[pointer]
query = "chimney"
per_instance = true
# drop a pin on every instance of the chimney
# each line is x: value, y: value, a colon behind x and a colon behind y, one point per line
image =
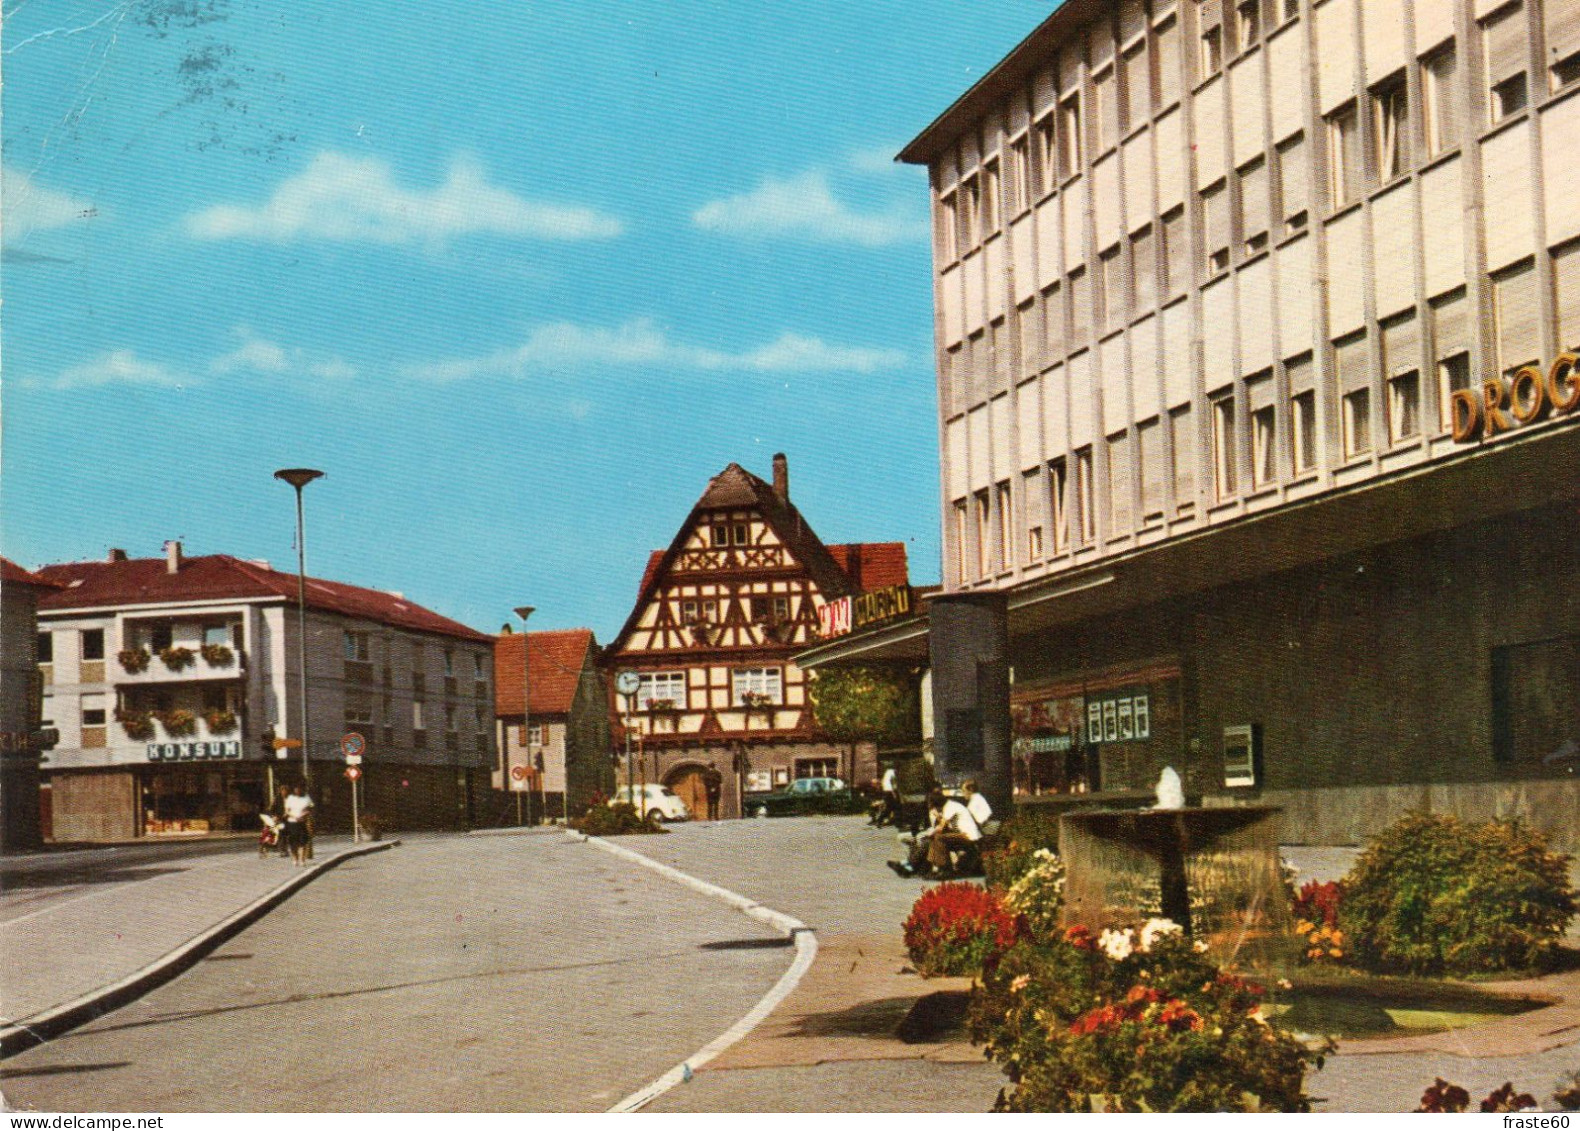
x: 172, y: 557
x: 117, y: 555
x: 782, y: 477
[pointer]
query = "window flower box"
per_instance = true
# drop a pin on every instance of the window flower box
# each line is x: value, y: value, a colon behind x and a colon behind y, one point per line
x: 179, y: 723
x: 220, y: 721
x: 134, y: 660
x: 138, y: 725
x: 178, y: 657
x: 217, y: 655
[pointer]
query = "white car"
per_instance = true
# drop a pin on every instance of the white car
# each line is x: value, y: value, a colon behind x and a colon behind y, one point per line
x: 654, y: 798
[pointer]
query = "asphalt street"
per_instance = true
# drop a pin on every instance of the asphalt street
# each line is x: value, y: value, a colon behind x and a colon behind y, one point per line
x: 523, y: 973
x: 34, y: 881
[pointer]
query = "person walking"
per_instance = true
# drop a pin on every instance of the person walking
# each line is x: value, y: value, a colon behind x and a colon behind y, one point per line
x: 713, y: 789
x: 278, y: 812
x: 297, y: 835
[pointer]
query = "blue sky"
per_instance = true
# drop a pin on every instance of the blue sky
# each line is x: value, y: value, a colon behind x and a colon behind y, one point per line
x: 519, y: 277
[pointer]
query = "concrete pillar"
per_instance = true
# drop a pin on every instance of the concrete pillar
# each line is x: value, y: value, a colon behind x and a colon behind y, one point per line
x: 969, y: 646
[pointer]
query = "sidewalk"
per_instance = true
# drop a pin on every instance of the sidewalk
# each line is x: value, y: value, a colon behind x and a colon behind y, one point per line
x: 92, y: 949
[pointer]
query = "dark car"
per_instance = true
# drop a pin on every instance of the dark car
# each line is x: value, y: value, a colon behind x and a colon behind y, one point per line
x: 807, y: 795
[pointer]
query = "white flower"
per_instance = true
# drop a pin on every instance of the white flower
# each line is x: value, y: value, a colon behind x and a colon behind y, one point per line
x: 1118, y: 945
x: 1199, y: 947
x: 1156, y: 929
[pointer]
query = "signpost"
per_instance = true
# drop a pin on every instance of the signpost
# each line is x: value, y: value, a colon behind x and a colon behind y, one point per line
x: 628, y: 683
x: 352, y: 745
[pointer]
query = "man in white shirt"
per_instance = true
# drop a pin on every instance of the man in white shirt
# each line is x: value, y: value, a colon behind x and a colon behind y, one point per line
x: 888, y: 812
x: 955, y: 829
x: 980, y: 809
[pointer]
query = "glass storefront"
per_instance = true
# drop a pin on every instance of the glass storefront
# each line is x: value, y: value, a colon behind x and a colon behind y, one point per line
x: 192, y: 800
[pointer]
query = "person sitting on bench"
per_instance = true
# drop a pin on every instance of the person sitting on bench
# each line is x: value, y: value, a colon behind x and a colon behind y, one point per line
x: 980, y: 809
x: 954, y: 829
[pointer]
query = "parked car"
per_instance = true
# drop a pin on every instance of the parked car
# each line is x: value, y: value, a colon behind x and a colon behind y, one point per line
x: 655, y: 799
x: 807, y: 795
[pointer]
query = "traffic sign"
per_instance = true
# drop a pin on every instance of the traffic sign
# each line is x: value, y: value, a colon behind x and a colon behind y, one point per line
x: 288, y: 744
x: 518, y: 772
x: 352, y: 745
x: 353, y: 772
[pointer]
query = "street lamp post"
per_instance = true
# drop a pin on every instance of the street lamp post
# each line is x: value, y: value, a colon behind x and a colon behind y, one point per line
x: 524, y: 611
x: 299, y: 477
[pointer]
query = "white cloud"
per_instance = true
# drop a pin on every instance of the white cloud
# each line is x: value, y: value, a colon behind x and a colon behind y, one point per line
x: 356, y: 199
x: 876, y: 160
x: 29, y: 206
x: 642, y: 342
x: 259, y: 355
x: 120, y: 367
x: 805, y: 207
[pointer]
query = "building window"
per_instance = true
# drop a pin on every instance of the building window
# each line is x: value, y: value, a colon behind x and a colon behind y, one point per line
x: 218, y: 635
x: 355, y: 645
x: 1105, y: 112
x: 1453, y: 376
x: 46, y: 647
x: 1030, y: 337
x: 1183, y: 438
x: 991, y: 189
x: 1080, y: 307
x: 970, y: 208
x: 1058, y: 505
x: 816, y: 768
x: 93, y: 716
x: 1264, y: 430
x: 1439, y: 121
x: 765, y: 686
x: 1343, y: 155
x: 1033, y: 545
x: 1390, y: 127
x: 658, y: 691
x: 1357, y: 422
x: 947, y: 222
x: 1248, y: 23
x: 1516, y: 317
x: 1138, y: 86
x: 1303, y: 408
x: 1086, y: 491
x: 1504, y: 46
x: 1020, y: 175
x: 1006, y: 526
x: 93, y: 643
x: 1070, y: 136
x: 962, y: 520
x: 1209, y: 19
x: 1151, y: 470
x: 160, y: 637
x: 1223, y: 461
x: 1215, y: 223
x: 1176, y: 251
x: 1404, y: 406
x: 416, y: 715
x: 1166, y: 64
x: 742, y: 533
x: 1566, y: 293
x: 1143, y: 271
x: 1562, y: 20
x: 984, y: 529
x: 1112, y: 299
x: 1294, y: 191
x: 1119, y: 484
x: 449, y: 662
x: 1253, y: 206
x: 1047, y: 155
x: 1053, y: 324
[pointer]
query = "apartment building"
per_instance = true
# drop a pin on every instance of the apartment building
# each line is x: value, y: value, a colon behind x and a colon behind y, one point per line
x: 171, y: 679
x: 1256, y: 404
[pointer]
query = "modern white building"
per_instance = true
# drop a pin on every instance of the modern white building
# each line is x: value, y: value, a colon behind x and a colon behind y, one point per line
x: 1254, y: 398
x: 168, y: 680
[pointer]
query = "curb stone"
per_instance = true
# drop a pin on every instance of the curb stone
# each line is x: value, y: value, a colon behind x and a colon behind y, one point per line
x: 16, y: 1036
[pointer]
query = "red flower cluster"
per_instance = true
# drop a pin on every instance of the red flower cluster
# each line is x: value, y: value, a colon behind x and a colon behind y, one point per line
x: 1319, y: 903
x: 959, y: 918
x: 1080, y: 937
x: 1138, y: 1005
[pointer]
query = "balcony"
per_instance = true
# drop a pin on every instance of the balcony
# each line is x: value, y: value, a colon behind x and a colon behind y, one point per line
x: 179, y: 664
x: 182, y: 735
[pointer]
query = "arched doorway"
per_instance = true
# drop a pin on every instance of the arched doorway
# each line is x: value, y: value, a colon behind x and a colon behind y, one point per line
x: 687, y: 782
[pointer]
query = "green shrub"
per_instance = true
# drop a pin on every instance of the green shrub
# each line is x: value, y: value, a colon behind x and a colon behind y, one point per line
x: 1132, y: 1021
x: 619, y: 819
x: 1435, y: 895
x: 955, y: 928
x: 1019, y: 839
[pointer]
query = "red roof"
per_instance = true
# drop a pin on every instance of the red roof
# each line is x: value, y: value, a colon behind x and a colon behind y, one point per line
x: 654, y: 560
x: 554, y: 670
x: 872, y: 565
x: 13, y: 574
x: 220, y: 577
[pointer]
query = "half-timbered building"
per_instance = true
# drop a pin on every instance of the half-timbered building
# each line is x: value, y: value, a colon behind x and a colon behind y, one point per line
x: 719, y: 617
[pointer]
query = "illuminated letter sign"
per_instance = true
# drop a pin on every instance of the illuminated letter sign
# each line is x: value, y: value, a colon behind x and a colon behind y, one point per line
x: 1528, y: 396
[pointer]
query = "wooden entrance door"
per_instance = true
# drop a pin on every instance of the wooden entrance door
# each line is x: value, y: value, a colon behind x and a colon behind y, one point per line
x: 689, y: 787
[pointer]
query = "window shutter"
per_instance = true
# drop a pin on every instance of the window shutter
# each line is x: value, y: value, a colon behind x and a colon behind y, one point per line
x: 1216, y: 205
x: 1176, y: 250
x: 1209, y: 14
x: 1145, y: 266
x: 1401, y: 346
x: 1349, y: 361
x: 1259, y: 392
x: 1519, y: 335
x: 1566, y: 279
x: 1505, y: 43
x: 1294, y: 176
x: 1449, y: 327
x: 1301, y: 374
x: 1138, y: 86
x: 1563, y: 29
x: 1167, y: 62
x: 1253, y: 199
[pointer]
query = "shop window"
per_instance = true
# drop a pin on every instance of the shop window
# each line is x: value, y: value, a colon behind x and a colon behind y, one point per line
x: 93, y: 644
x: 1504, y: 49
x: 1439, y: 119
x: 1536, y: 701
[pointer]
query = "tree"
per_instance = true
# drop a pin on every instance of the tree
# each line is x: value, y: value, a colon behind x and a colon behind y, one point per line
x: 865, y: 704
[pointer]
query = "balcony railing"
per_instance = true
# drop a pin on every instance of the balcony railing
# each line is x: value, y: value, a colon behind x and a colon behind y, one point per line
x: 178, y: 664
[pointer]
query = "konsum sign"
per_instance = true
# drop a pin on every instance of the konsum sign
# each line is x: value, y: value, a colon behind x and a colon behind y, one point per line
x: 1526, y: 397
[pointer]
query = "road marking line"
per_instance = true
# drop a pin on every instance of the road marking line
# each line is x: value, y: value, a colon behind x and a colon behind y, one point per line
x: 805, y: 947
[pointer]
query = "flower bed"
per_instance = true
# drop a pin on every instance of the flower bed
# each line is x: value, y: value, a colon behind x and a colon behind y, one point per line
x: 1038, y: 895
x: 1132, y: 1021
x: 955, y: 928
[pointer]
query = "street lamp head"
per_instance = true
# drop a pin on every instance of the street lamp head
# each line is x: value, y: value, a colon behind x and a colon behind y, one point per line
x: 525, y: 611
x: 298, y: 477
